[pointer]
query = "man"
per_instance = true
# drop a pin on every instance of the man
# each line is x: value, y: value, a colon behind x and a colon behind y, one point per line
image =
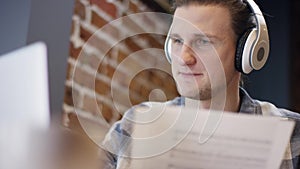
x: 205, y: 36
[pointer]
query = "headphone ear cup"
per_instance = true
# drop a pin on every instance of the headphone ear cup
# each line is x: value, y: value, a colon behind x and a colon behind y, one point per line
x: 240, y: 50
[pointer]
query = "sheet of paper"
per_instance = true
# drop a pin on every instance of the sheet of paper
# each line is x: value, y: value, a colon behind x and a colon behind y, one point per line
x: 172, y: 138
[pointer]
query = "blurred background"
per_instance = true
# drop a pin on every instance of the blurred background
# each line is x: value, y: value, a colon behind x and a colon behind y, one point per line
x: 82, y: 87
x: 66, y: 26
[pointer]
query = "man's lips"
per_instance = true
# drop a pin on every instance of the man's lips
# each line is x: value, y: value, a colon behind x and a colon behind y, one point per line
x: 190, y: 74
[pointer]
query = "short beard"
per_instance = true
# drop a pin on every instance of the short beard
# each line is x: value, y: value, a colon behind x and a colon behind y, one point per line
x: 205, y: 93
x: 197, y: 94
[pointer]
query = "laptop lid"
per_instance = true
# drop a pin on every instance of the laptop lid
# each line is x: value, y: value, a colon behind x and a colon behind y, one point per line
x: 24, y: 85
x: 24, y: 102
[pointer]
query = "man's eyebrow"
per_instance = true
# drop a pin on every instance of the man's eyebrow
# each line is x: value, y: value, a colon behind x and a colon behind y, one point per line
x: 197, y: 35
x: 174, y: 35
x: 207, y: 36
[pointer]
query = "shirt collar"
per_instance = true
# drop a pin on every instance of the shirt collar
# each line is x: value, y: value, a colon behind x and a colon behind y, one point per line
x: 247, y: 104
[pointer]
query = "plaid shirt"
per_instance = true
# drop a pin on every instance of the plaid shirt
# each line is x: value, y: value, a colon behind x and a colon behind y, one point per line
x: 248, y: 105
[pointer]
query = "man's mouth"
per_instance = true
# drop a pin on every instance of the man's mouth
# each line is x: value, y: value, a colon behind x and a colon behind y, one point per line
x: 192, y: 74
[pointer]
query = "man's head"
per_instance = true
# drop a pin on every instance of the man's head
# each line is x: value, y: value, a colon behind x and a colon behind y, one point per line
x: 203, y: 34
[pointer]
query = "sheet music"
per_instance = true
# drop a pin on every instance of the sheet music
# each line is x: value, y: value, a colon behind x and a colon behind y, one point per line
x: 239, y: 141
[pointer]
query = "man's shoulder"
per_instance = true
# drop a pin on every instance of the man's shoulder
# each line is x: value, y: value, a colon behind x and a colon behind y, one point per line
x: 290, y: 114
x: 269, y: 109
x: 175, y: 102
x: 293, y: 151
x: 125, y: 123
x: 295, y: 117
x: 295, y: 137
x: 121, y: 130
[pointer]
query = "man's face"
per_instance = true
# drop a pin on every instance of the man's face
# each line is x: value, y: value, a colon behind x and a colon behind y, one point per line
x: 202, y: 50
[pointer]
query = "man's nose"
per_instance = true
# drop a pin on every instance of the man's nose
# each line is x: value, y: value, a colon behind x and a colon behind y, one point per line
x: 187, y: 55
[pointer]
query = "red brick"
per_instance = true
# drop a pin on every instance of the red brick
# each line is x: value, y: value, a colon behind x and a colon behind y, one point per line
x: 94, y: 106
x: 72, y: 28
x: 149, y: 22
x: 107, y: 112
x: 156, y: 78
x: 144, y: 92
x: 71, y: 96
x: 83, y: 78
x: 135, y: 86
x: 101, y: 87
x: 79, y: 9
x: 152, y: 40
x: 170, y: 85
x: 111, y: 30
x: 109, y: 8
x: 174, y: 92
x: 102, y: 69
x: 121, y: 78
x: 136, y: 101
x: 118, y: 96
x: 68, y: 96
x: 74, y: 52
x: 90, y: 104
x: 132, y: 45
x: 121, y: 56
x: 90, y: 59
x: 110, y: 71
x: 144, y: 74
x: 150, y: 19
x: 98, y: 20
x: 100, y: 44
x: 69, y: 71
x: 133, y: 7
x: 132, y: 25
x: 84, y: 34
x: 110, y: 53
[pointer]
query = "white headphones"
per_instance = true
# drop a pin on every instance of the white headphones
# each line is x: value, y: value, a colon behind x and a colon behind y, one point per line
x: 252, y: 48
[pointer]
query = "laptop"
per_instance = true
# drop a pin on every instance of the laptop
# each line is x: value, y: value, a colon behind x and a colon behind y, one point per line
x: 24, y: 101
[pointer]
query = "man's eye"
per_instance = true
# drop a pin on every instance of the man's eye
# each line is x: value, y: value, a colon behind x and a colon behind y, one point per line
x: 177, y: 41
x: 203, y: 42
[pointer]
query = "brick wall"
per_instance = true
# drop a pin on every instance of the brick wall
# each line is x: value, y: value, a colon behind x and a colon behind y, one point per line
x: 109, y: 68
